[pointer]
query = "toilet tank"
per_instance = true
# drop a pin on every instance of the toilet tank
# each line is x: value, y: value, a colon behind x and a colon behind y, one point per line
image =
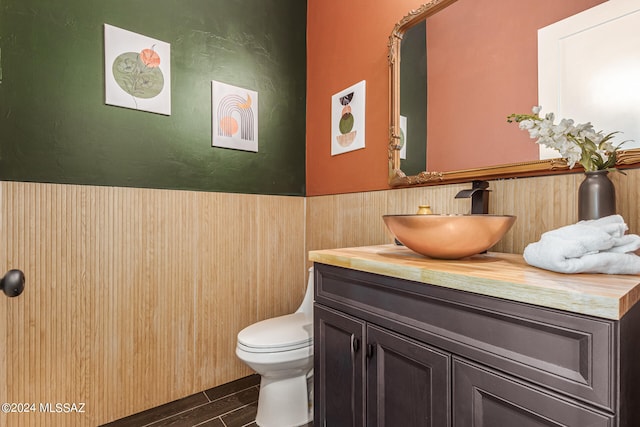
x: 307, y: 301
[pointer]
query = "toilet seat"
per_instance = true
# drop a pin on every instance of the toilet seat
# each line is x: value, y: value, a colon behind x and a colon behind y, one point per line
x: 280, y: 349
x: 283, y: 333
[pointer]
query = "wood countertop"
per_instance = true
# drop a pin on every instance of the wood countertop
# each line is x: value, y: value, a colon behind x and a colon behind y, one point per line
x: 496, y: 274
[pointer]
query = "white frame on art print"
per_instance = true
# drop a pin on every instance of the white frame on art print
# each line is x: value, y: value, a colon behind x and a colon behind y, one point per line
x: 348, y: 119
x: 137, y: 71
x: 234, y: 117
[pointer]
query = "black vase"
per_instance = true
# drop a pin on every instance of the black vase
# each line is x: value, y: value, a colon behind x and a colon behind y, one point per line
x: 596, y: 196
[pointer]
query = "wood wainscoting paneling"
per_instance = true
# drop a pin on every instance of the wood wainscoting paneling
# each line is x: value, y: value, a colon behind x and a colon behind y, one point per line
x: 541, y: 204
x: 133, y: 296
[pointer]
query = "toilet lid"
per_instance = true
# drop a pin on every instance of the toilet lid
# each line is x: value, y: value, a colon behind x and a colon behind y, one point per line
x: 282, y: 333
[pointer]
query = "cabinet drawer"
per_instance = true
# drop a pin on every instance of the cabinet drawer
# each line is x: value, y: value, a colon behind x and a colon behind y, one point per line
x: 483, y: 398
x: 564, y: 352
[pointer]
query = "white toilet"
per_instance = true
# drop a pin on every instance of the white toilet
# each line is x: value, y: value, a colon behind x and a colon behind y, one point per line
x: 281, y: 351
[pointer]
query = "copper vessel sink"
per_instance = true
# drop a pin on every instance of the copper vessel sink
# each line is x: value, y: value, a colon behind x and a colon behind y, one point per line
x: 448, y: 236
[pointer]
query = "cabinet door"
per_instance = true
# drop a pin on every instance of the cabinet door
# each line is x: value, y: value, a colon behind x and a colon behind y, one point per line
x: 483, y: 398
x: 338, y: 369
x: 407, y: 382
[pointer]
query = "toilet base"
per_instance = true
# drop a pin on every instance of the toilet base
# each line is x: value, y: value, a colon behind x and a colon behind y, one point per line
x: 284, y: 402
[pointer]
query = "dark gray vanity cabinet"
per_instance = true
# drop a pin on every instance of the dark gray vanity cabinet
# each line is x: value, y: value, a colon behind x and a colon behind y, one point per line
x: 339, y: 369
x: 488, y: 399
x: 392, y: 352
x: 407, y: 381
x: 366, y: 375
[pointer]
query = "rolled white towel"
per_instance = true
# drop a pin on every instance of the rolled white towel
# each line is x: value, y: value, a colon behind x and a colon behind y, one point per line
x: 602, y: 262
x: 607, y: 221
x: 625, y: 244
x: 594, y: 246
x: 595, y: 235
x: 612, y: 225
x: 545, y: 257
x: 587, y: 238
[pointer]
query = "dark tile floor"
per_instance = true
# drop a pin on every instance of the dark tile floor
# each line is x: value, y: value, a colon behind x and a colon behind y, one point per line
x: 230, y: 405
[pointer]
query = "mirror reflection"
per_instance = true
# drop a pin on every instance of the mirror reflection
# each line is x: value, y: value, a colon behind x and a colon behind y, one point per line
x: 413, y: 99
x: 479, y: 64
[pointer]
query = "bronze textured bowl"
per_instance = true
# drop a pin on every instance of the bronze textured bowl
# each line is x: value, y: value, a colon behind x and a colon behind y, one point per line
x: 448, y: 236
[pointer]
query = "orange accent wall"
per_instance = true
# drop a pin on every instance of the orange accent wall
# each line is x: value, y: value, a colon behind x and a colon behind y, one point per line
x: 347, y: 43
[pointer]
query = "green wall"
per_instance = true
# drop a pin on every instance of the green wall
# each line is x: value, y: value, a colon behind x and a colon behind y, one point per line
x: 55, y: 126
x: 413, y: 97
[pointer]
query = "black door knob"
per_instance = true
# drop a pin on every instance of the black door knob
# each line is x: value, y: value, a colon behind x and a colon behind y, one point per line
x: 12, y: 283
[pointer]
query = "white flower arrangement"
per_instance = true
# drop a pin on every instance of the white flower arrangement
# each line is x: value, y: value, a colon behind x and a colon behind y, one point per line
x: 578, y: 143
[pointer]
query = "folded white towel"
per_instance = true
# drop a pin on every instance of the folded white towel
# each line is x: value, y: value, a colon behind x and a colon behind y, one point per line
x: 592, y: 230
x: 626, y: 243
x: 594, y: 246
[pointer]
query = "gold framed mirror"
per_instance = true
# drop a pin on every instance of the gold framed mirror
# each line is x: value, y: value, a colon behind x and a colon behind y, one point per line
x: 398, y: 178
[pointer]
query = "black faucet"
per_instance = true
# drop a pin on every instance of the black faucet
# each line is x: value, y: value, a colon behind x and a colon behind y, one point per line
x: 479, y: 194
